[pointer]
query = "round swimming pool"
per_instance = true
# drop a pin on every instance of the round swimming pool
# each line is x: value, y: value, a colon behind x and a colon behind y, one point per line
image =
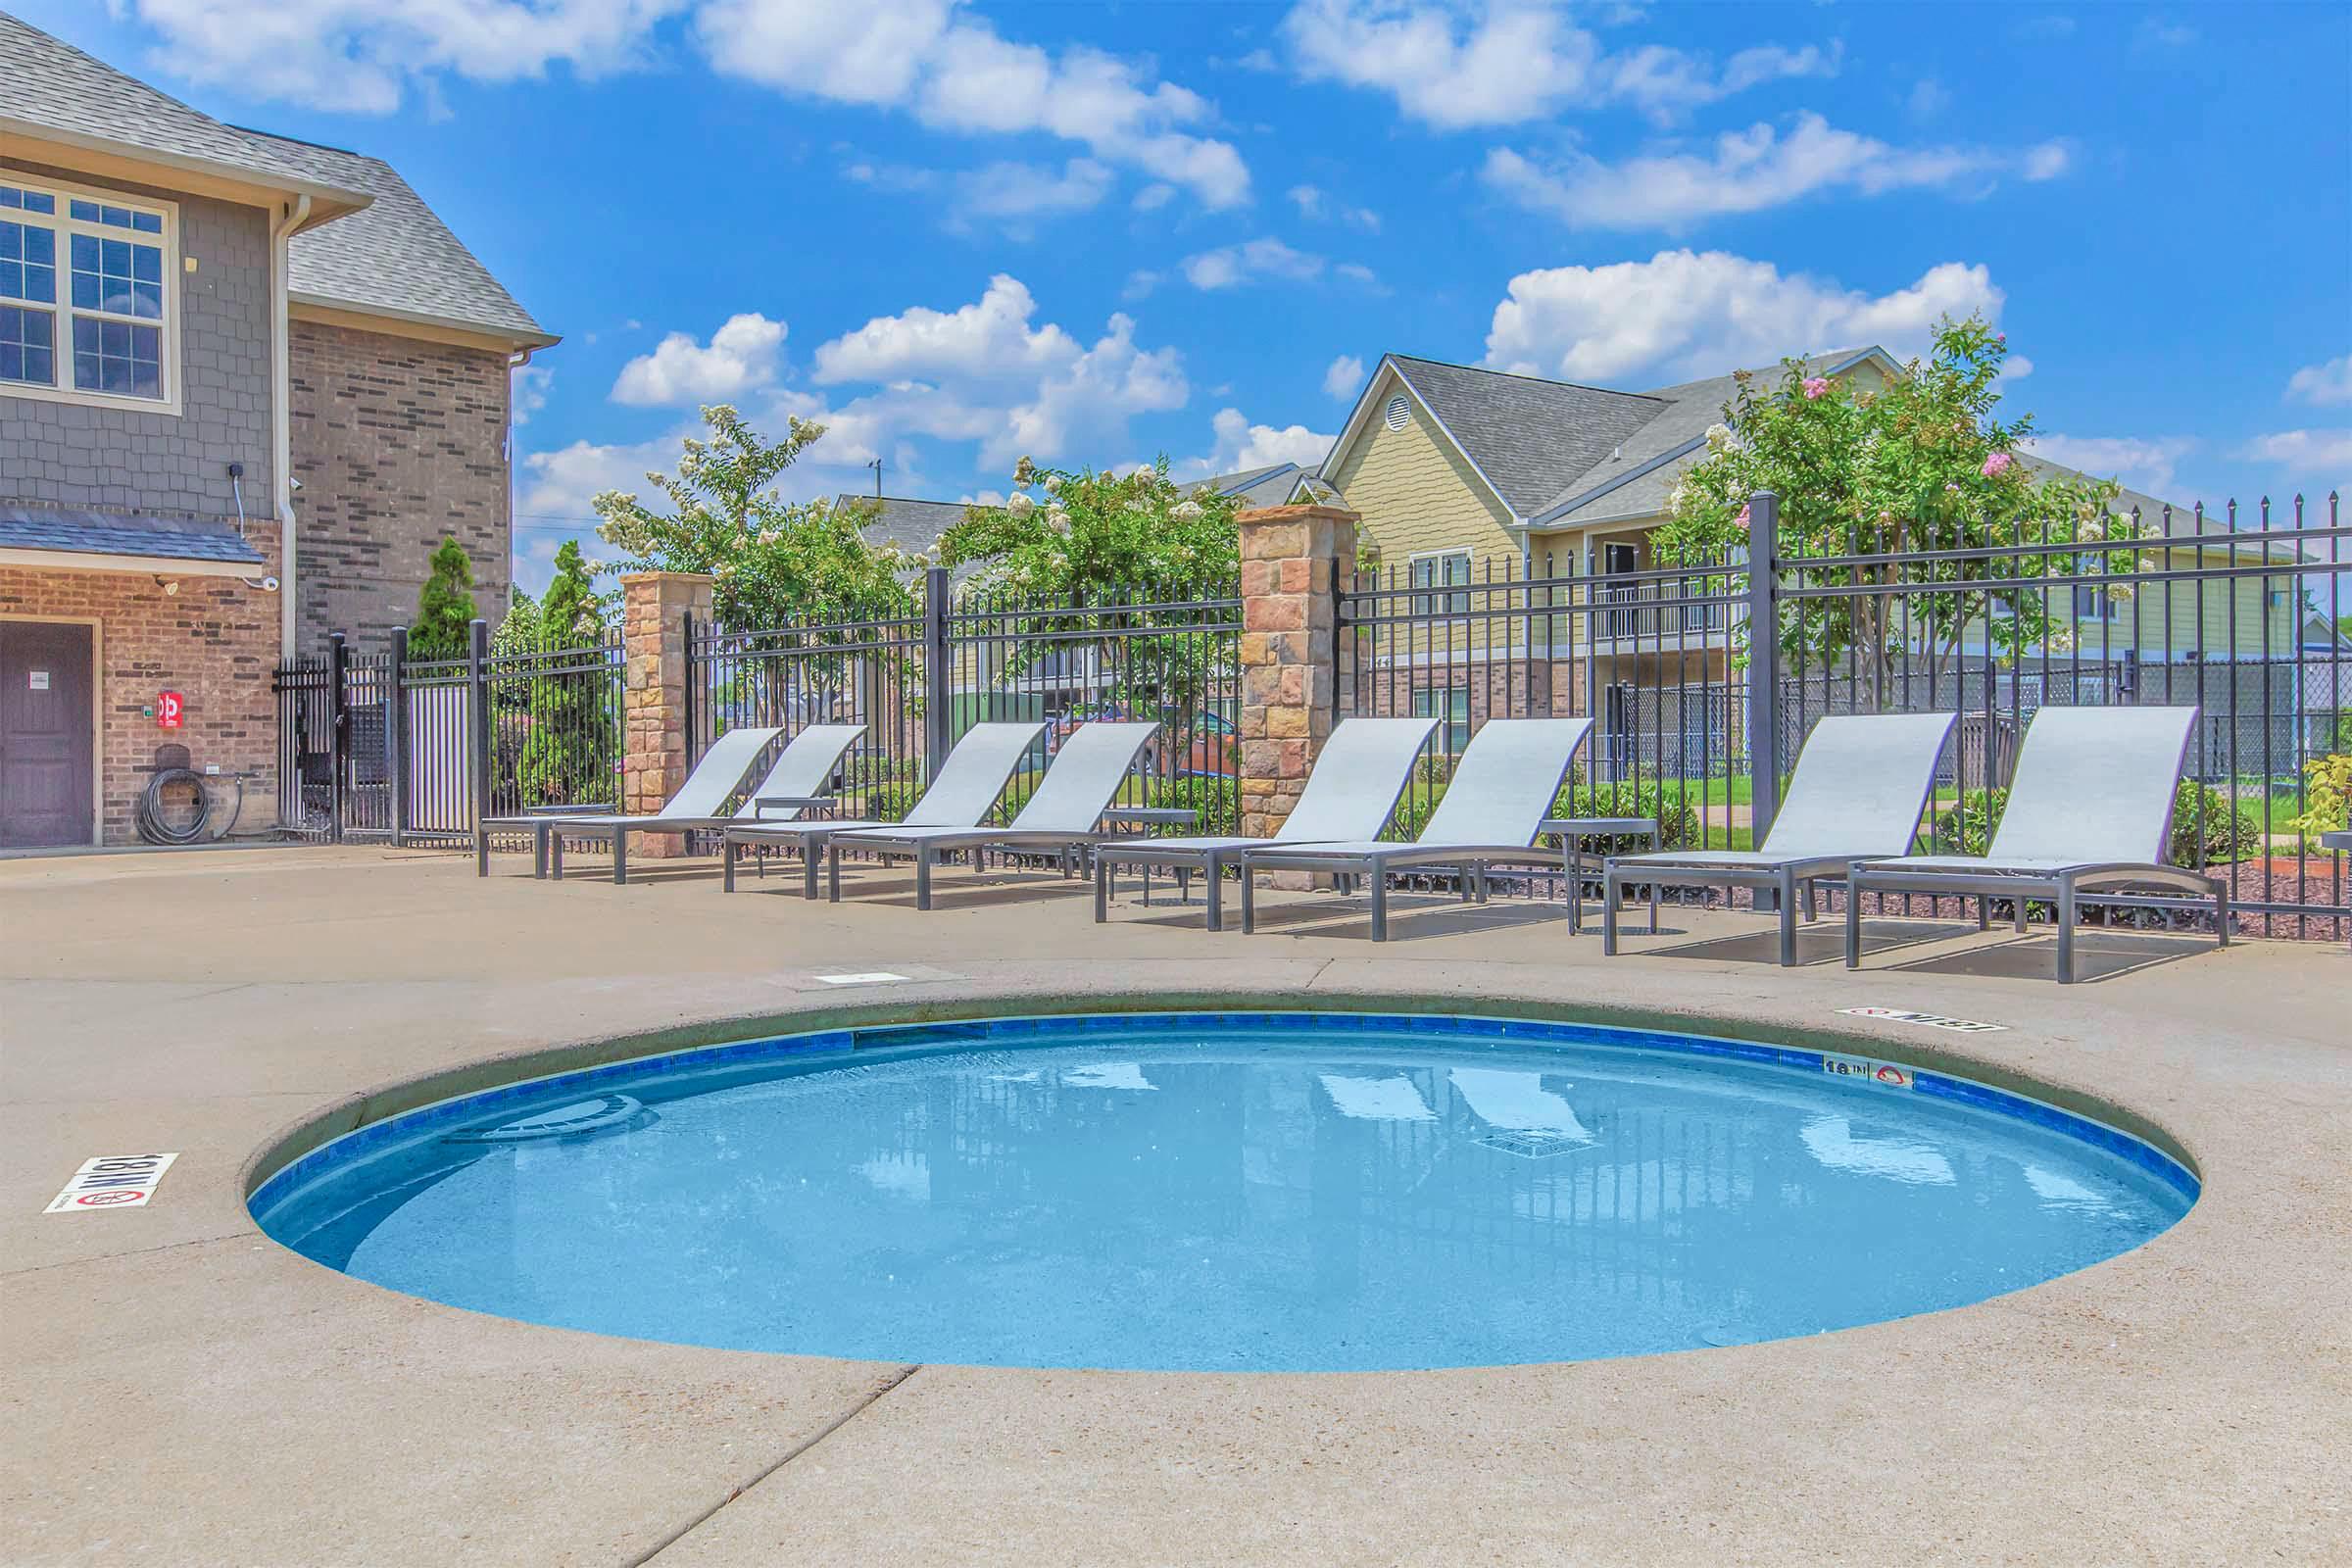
x: 1226, y: 1192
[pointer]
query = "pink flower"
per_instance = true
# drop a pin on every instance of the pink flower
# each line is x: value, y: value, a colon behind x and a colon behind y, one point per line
x: 2003, y: 338
x: 1815, y: 386
x: 1998, y: 464
x: 1742, y: 520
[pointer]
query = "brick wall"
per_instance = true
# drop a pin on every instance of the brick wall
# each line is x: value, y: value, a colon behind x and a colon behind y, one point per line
x: 399, y: 443
x: 214, y: 642
x: 131, y: 459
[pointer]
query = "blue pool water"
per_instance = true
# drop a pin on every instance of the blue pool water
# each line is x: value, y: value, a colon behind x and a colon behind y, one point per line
x: 1226, y: 1192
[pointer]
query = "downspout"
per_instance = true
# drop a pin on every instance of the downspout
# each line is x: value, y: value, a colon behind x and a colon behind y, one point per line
x: 281, y: 422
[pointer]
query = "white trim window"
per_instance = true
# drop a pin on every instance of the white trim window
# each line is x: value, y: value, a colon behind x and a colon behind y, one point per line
x: 2092, y: 602
x: 1452, y: 704
x: 88, y: 308
x: 1440, y: 568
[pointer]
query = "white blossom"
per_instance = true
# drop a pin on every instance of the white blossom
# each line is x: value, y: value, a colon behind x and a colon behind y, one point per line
x: 1185, y: 510
x: 1053, y: 484
x: 1057, y: 518
x: 1719, y: 436
x: 1020, y: 505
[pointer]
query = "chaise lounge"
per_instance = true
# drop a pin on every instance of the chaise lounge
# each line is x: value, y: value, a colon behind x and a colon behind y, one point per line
x: 1064, y: 814
x: 1353, y: 788
x: 1494, y: 805
x: 2089, y: 810
x: 1860, y: 785
x: 718, y: 774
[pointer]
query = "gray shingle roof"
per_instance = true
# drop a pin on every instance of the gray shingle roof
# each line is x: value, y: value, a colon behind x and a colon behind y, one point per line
x: 1529, y: 437
x: 107, y: 534
x: 1636, y: 480
x: 54, y: 86
x: 395, y: 255
x: 1254, y: 487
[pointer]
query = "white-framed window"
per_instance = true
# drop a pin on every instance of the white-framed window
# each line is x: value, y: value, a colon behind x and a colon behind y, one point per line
x: 88, y: 310
x: 1452, y: 704
x: 1440, y: 569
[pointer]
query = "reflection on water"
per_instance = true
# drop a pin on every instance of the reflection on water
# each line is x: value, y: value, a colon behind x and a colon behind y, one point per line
x: 1285, y: 1201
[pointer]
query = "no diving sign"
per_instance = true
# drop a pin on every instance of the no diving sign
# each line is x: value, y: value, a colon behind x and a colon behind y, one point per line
x: 111, y: 1181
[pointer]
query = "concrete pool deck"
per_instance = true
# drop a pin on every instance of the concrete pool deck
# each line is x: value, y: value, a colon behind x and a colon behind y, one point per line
x: 180, y: 1389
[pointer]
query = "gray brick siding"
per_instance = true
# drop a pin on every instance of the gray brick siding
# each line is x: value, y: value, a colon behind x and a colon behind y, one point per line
x: 399, y: 443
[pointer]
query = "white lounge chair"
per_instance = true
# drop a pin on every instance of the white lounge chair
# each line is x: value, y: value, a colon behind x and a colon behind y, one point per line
x: 1064, y: 814
x: 2089, y: 809
x: 1494, y: 805
x: 970, y: 780
x: 697, y: 803
x: 1354, y: 787
x: 1860, y: 785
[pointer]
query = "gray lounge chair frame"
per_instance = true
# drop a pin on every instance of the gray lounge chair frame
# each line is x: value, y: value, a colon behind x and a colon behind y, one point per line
x: 1064, y: 814
x: 968, y: 782
x: 1860, y: 786
x: 2089, y: 810
x: 713, y: 779
x: 1494, y: 805
x: 1350, y: 795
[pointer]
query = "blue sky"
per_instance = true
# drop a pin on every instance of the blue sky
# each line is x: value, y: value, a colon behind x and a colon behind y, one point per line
x: 958, y: 233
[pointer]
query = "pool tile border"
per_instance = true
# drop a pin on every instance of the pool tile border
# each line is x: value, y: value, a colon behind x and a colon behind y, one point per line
x: 1035, y: 1029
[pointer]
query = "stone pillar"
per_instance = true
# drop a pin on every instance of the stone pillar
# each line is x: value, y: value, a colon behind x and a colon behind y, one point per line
x: 1290, y: 672
x: 654, y: 607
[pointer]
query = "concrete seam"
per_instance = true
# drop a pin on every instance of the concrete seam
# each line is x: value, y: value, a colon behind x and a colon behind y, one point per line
x: 136, y: 1251
x: 886, y: 1386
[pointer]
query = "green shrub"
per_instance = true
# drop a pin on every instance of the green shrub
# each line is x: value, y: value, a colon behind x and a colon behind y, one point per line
x: 1672, y: 803
x: 1966, y: 826
x: 1215, y: 802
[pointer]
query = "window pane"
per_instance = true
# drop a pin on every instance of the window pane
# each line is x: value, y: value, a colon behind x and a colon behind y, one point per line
x: 85, y: 335
x: 26, y: 349
x: 36, y: 201
x: 147, y: 222
x: 11, y: 280
x: 10, y: 196
x: 85, y: 372
x: 115, y: 256
x: 86, y: 212
x: 118, y: 216
x: 146, y: 264
x: 146, y: 379
x: 12, y: 242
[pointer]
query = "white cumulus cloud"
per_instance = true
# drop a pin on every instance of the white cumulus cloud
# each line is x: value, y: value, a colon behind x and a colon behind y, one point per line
x: 1345, y: 376
x: 1746, y: 171
x: 1230, y: 266
x: 1512, y: 61
x: 366, y: 56
x: 741, y: 356
x: 1683, y: 314
x: 953, y: 71
x: 1241, y: 446
x: 2328, y: 381
x: 2146, y: 463
x: 2323, y: 454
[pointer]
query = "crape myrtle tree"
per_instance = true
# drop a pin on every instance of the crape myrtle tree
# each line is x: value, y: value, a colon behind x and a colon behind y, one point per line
x: 1924, y: 463
x: 1117, y: 554
x: 791, y: 577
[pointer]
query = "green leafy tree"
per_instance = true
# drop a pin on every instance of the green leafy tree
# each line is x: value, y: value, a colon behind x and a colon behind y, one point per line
x: 1924, y: 463
x: 444, y: 605
x: 556, y: 729
x: 1134, y: 547
x: 774, y: 562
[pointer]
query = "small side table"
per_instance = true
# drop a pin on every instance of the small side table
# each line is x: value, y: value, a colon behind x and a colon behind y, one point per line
x: 1572, y: 858
x: 2340, y: 843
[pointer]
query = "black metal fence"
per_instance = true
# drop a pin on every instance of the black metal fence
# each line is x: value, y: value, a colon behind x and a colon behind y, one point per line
x: 380, y: 746
x: 975, y: 654
x: 1698, y: 722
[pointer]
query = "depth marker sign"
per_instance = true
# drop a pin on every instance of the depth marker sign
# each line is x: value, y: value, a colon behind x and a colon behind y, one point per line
x: 1934, y: 1021
x: 111, y: 1181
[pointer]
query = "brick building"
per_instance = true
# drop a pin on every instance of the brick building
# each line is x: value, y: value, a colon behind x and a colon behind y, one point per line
x: 247, y: 384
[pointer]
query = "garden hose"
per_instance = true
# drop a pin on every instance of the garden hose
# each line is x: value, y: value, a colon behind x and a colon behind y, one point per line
x: 149, y: 808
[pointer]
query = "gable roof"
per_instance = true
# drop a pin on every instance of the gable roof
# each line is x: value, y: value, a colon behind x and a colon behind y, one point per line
x: 1528, y: 438
x: 58, y: 93
x: 395, y: 256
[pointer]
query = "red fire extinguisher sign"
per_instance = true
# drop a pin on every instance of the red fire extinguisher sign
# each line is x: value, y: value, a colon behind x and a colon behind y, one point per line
x: 168, y: 709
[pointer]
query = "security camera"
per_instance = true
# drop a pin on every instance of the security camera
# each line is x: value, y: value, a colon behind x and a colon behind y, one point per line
x: 293, y: 483
x: 269, y: 585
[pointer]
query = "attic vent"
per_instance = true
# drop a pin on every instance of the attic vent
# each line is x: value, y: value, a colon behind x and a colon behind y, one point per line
x: 1397, y: 413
